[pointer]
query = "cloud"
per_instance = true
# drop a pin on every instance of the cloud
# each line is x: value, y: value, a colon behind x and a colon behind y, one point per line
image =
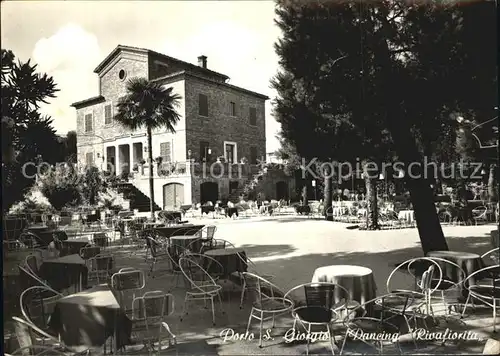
x: 69, y: 56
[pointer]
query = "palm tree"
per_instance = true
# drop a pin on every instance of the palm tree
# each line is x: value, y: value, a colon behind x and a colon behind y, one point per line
x: 151, y: 105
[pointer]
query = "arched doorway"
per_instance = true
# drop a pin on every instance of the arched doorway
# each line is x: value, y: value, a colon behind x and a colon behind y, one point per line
x: 173, y: 195
x: 209, y: 191
x: 281, y: 190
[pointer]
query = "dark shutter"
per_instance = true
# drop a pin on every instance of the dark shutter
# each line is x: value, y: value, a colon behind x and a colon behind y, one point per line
x: 203, y: 105
x: 165, y: 151
x: 88, y: 122
x: 253, y: 116
x: 253, y: 155
x: 107, y: 114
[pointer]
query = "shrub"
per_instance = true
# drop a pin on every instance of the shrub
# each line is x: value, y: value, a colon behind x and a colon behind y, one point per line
x: 61, y: 188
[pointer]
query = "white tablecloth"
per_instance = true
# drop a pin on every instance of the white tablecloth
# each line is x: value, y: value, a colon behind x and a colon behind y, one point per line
x: 339, y: 210
x: 407, y: 215
x: 357, y: 280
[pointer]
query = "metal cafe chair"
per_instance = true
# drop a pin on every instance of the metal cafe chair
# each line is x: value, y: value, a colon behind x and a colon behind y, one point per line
x: 423, y: 284
x: 358, y: 318
x: 317, y: 309
x: 204, y: 289
x: 37, y: 304
x: 246, y: 284
x: 89, y: 252
x: 128, y: 281
x: 149, y: 327
x: 157, y: 252
x: 99, y: 268
x: 484, y: 285
x: 269, y: 304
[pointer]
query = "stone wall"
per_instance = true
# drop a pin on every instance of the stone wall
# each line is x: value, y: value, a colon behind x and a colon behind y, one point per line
x: 267, y: 186
x: 220, y: 126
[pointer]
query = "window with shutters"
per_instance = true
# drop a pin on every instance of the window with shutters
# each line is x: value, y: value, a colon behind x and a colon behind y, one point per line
x: 203, y: 105
x: 232, y: 108
x: 165, y: 152
x: 205, y: 151
x: 89, y: 158
x: 108, y: 116
x: 88, y: 123
x: 253, y: 155
x: 253, y: 116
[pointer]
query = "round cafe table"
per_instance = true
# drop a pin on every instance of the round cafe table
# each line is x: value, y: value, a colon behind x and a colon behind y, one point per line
x: 231, y: 259
x: 469, y: 262
x: 357, y: 280
x: 192, y: 241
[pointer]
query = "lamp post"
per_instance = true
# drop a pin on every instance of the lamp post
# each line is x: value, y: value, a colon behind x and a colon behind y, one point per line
x: 313, y: 184
x: 384, y: 178
x: 208, y: 151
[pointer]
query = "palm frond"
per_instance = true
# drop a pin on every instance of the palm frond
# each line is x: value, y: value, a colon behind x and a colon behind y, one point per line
x: 148, y: 104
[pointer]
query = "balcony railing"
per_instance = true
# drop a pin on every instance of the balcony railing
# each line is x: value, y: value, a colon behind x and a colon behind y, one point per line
x: 198, y: 169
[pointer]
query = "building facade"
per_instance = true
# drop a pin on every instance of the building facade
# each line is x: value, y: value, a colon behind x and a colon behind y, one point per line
x: 218, y: 122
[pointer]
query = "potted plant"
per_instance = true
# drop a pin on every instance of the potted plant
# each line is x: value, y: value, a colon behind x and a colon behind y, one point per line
x: 142, y: 162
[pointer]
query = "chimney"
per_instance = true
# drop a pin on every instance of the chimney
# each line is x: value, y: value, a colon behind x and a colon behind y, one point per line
x: 202, y: 61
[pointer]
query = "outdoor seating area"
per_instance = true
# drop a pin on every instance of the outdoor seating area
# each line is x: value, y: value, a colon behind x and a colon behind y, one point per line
x: 294, y: 195
x: 89, y: 288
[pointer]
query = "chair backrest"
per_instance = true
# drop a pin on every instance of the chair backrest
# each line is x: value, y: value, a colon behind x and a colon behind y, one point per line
x: 264, y: 288
x: 128, y: 280
x: 362, y: 312
x: 31, y: 264
x: 420, y: 264
x: 101, y: 263
x: 153, y: 307
x: 37, y: 304
x: 318, y: 294
x: 89, y: 252
x: 191, y: 268
x: 487, y: 278
x: 193, y: 232
x: 28, y: 239
x: 28, y: 279
x: 152, y: 244
x: 493, y: 252
x: 210, y: 231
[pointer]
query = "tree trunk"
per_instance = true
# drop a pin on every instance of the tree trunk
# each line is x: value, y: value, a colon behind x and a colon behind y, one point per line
x: 429, y: 228
x: 492, y: 194
x: 371, y: 200
x: 305, y: 198
x: 151, y: 180
x: 327, y: 194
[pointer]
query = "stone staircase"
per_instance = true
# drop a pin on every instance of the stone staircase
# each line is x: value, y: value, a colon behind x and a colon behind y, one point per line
x: 253, y: 183
x: 138, y: 200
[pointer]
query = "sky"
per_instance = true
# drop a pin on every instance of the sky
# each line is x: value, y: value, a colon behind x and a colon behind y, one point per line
x: 68, y: 39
